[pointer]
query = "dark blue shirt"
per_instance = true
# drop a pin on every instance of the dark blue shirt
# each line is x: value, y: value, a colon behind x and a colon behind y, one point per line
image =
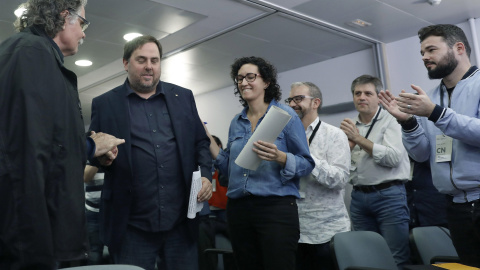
x: 428, y: 207
x: 159, y: 199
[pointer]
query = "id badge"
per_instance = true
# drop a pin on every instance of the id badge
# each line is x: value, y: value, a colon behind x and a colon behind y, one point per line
x: 214, y: 185
x: 443, y: 148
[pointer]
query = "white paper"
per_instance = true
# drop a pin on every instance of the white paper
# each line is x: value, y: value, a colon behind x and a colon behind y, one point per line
x: 268, y: 130
x: 193, y: 205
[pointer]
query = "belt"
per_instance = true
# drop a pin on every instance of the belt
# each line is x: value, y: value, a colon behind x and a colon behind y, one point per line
x: 450, y: 199
x: 373, y: 188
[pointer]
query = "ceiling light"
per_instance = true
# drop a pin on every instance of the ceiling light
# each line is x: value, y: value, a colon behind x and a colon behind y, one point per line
x: 19, y: 11
x: 131, y: 36
x: 361, y: 23
x: 83, y: 63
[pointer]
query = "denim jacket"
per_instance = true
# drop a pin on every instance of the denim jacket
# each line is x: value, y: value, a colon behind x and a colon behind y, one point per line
x: 270, y: 179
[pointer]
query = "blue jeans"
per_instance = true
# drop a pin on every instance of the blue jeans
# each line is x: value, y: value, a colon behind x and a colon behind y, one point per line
x: 385, y: 212
x: 464, y: 224
x: 95, y: 255
x: 175, y: 248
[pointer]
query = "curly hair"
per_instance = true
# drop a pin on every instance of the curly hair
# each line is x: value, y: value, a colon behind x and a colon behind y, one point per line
x: 268, y: 73
x: 46, y: 14
x: 451, y: 34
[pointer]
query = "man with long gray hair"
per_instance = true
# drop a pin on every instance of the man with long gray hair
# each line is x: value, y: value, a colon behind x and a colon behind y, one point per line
x: 42, y: 141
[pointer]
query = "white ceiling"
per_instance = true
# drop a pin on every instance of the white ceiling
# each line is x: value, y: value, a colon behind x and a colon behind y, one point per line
x: 201, y: 38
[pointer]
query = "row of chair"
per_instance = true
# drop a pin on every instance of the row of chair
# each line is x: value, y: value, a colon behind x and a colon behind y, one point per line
x: 355, y: 250
x: 369, y: 250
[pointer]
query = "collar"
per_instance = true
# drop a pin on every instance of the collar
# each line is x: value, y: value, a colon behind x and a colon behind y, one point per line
x: 470, y: 72
x: 357, y: 119
x: 243, y: 114
x: 313, y: 124
x: 36, y: 30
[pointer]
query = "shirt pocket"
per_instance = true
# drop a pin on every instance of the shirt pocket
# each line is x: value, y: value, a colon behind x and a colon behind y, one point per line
x: 236, y: 143
x: 281, y: 142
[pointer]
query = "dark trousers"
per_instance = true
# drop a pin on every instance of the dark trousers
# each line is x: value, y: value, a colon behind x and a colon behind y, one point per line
x: 264, y: 232
x: 314, y: 257
x: 464, y: 225
x: 175, y: 248
x: 95, y: 255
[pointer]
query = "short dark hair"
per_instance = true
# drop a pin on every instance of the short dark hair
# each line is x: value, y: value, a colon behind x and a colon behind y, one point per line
x: 217, y: 141
x: 451, y: 34
x: 46, y: 14
x: 138, y: 42
x: 313, y: 91
x: 268, y: 73
x: 365, y: 79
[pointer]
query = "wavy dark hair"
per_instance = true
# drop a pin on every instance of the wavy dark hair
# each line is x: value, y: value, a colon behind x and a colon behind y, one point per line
x: 46, y: 14
x: 268, y: 73
x: 451, y: 34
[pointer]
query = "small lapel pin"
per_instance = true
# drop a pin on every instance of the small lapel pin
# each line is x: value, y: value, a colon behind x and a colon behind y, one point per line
x: 176, y: 95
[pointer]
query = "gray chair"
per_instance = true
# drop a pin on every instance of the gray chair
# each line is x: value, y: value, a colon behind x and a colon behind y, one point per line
x: 432, y: 244
x: 223, y: 249
x: 106, y: 267
x: 361, y: 250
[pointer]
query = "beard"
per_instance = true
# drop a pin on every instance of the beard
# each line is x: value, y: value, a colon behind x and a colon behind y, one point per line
x: 301, y: 112
x: 445, y: 66
x: 144, y: 87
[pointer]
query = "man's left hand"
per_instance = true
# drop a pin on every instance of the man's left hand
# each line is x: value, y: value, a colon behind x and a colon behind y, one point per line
x: 108, y: 158
x: 205, y: 192
x: 415, y: 104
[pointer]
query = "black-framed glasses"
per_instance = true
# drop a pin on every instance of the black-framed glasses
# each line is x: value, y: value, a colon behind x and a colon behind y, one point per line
x: 84, y: 23
x: 297, y: 99
x: 250, y: 77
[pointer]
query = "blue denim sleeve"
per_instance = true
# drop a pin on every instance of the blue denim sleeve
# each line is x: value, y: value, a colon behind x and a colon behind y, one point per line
x: 299, y: 162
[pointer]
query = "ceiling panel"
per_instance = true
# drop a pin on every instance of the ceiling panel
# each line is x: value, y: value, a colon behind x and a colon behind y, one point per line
x: 203, y: 37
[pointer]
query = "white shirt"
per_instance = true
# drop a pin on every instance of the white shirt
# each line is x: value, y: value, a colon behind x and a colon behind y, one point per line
x: 321, y: 209
x: 390, y: 159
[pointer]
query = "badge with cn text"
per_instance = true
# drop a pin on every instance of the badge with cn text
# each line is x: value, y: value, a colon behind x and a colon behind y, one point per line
x: 443, y: 148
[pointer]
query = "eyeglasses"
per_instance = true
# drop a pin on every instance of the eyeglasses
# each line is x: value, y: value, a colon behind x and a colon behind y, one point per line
x: 297, y: 99
x: 250, y: 77
x: 84, y: 23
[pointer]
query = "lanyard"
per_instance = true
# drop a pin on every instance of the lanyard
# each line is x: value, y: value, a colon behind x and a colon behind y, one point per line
x: 442, y: 89
x: 314, y: 132
x: 373, y: 122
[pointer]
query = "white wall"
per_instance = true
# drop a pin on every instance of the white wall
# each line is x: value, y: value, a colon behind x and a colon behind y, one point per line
x: 333, y: 77
x: 405, y: 65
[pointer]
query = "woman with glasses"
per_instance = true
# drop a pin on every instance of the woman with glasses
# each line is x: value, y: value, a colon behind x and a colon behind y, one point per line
x: 261, y: 210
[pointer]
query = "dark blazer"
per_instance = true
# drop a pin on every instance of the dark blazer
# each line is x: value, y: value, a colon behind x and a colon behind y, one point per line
x: 42, y: 155
x: 110, y: 115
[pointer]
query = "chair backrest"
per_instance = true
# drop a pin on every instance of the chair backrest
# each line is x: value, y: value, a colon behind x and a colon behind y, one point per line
x: 432, y: 244
x: 361, y: 249
x: 106, y: 267
x: 223, y: 243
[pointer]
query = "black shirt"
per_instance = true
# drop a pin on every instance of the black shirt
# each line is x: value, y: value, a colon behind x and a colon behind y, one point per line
x: 159, y: 199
